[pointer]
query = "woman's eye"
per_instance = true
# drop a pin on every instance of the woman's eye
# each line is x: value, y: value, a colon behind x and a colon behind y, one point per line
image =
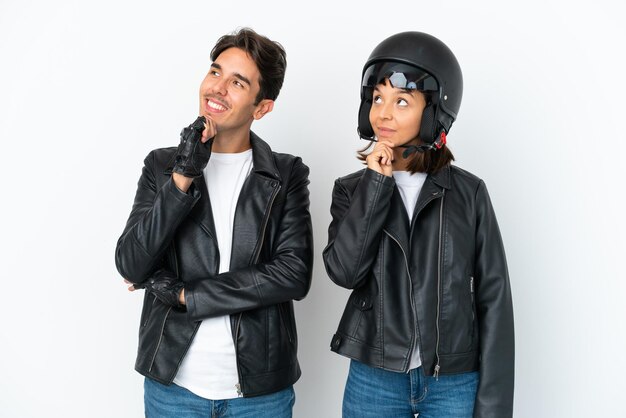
x: 402, y: 102
x: 377, y: 99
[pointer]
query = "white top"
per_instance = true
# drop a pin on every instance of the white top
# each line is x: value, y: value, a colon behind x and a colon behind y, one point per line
x: 210, y: 367
x: 409, y: 186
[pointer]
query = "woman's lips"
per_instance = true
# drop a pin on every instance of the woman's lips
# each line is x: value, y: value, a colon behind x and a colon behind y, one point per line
x: 385, y: 132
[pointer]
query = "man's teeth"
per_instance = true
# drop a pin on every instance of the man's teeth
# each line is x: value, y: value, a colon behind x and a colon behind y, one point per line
x: 215, y: 106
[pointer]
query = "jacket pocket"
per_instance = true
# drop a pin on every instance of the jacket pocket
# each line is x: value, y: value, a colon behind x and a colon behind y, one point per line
x: 472, y: 308
x: 148, y: 303
x: 283, y: 322
x: 362, y: 302
x: 361, y: 306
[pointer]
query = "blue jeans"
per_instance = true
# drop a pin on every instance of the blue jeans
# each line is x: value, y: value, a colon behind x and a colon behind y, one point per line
x: 375, y: 393
x: 163, y: 401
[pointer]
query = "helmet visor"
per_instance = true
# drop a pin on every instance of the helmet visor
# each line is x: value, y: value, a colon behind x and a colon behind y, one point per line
x: 402, y: 76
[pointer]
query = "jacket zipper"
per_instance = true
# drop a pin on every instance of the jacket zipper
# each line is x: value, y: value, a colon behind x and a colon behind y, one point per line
x: 472, y: 297
x: 256, y: 259
x: 238, y: 384
x: 175, y: 261
x: 283, y: 321
x: 406, y: 262
x: 156, y: 350
x: 437, y: 366
x: 149, y: 311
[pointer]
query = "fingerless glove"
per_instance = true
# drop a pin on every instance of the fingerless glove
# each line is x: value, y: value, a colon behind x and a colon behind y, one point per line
x: 192, y: 155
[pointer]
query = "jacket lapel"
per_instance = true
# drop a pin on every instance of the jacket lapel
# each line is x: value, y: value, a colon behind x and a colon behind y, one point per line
x: 202, y: 212
x: 432, y: 189
x: 397, y: 223
x: 254, y: 205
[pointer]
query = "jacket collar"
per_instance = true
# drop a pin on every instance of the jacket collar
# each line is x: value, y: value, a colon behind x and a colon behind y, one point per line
x: 397, y: 224
x: 441, y: 177
x: 259, y: 190
x: 262, y: 157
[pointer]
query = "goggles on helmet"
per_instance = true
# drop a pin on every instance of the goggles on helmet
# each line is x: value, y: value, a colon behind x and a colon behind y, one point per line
x: 400, y: 76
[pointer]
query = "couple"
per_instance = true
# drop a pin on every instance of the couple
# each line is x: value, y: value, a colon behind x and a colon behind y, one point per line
x: 220, y: 240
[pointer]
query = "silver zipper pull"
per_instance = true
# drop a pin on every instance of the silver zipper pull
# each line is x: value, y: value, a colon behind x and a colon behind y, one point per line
x: 436, y: 375
x: 472, y: 284
x: 238, y: 386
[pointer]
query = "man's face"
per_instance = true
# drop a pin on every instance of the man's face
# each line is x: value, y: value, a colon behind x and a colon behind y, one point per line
x: 229, y: 90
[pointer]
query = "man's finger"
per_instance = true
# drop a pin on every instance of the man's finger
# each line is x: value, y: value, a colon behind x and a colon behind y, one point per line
x: 210, y: 130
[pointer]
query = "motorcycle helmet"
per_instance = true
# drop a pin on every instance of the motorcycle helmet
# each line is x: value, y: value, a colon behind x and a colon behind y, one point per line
x: 415, y: 60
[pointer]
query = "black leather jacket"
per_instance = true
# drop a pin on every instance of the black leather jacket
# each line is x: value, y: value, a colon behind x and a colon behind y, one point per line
x: 440, y: 281
x: 271, y: 263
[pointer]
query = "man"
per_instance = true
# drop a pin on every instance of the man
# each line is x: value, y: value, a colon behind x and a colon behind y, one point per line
x: 220, y: 238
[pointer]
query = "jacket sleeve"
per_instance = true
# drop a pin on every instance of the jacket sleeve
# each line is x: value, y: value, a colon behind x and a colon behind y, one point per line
x: 154, y: 218
x: 495, y: 315
x: 354, y: 233
x: 286, y: 276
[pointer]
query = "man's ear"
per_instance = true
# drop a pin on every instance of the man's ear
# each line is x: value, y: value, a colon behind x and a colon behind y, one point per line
x: 264, y: 107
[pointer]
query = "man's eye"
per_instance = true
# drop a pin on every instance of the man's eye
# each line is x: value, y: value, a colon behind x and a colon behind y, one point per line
x: 238, y: 83
x: 402, y: 102
x: 215, y: 73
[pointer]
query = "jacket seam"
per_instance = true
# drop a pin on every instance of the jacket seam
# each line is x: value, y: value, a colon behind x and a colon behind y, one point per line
x: 382, y: 287
x: 462, y: 354
x: 275, y: 371
x: 138, y: 243
x: 266, y: 342
x: 358, y: 322
x: 359, y: 341
x: 367, y: 230
x: 349, y: 197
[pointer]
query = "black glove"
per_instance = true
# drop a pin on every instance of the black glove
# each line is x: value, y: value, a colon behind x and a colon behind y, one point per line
x: 165, y: 286
x: 192, y: 155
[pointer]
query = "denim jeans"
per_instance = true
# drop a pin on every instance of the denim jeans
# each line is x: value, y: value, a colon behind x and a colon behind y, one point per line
x: 163, y: 401
x: 375, y: 393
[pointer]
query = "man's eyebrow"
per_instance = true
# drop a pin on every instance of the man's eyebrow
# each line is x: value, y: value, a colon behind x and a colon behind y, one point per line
x: 239, y: 76
x: 243, y: 78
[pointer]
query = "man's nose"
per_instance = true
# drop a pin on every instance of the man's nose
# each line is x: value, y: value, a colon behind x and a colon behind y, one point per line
x: 220, y: 87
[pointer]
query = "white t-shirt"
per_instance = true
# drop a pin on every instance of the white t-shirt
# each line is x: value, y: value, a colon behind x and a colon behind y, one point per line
x: 210, y: 367
x: 409, y: 186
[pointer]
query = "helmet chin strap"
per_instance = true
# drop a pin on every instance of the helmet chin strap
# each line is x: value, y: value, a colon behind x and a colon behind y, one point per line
x: 410, y: 149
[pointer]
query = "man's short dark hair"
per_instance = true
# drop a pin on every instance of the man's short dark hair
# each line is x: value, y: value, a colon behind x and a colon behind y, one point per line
x: 269, y: 56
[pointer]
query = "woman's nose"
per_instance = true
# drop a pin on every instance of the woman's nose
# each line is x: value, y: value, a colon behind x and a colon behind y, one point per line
x: 385, y: 111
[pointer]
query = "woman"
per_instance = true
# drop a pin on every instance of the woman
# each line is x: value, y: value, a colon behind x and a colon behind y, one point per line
x: 429, y: 324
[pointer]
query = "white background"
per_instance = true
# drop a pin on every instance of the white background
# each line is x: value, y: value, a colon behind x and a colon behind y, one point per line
x: 87, y: 89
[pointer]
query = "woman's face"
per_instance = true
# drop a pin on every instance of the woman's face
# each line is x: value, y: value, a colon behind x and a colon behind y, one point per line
x: 396, y: 113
